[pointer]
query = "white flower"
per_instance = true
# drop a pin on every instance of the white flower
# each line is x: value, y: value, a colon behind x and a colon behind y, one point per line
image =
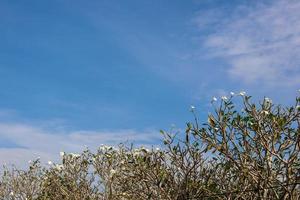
x: 242, y: 93
x: 11, y: 193
x: 50, y: 162
x: 74, y: 155
x: 145, y: 149
x: 216, y: 129
x: 265, y: 112
x: 214, y: 99
x: 224, y: 98
x: 157, y: 149
x: 192, y: 108
x: 105, y: 148
x: 268, y: 100
x: 61, y: 154
x: 112, y: 172
x: 59, y: 167
x: 267, y: 103
x: 102, y: 147
x: 232, y: 93
x: 136, y: 153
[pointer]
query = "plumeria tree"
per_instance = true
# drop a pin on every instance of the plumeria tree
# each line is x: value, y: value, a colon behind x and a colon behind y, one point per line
x: 248, y: 154
x: 259, y: 147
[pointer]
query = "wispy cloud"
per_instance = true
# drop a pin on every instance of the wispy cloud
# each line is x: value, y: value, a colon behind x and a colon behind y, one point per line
x: 260, y: 43
x: 32, y: 142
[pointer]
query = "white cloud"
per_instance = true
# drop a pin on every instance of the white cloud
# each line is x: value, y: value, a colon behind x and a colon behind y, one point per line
x: 259, y: 42
x: 32, y: 142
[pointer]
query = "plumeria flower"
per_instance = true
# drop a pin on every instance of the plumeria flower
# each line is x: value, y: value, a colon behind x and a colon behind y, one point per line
x: 192, y: 108
x: 224, y: 98
x: 59, y: 167
x: 265, y: 112
x: 112, y: 172
x: 268, y: 100
x: 136, y: 153
x: 105, y: 147
x: 267, y: 103
x: 102, y: 147
x: 232, y: 93
x: 242, y: 93
x: 74, y: 155
x: 144, y: 149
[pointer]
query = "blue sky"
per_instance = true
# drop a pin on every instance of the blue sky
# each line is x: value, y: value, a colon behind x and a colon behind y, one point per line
x: 75, y: 73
